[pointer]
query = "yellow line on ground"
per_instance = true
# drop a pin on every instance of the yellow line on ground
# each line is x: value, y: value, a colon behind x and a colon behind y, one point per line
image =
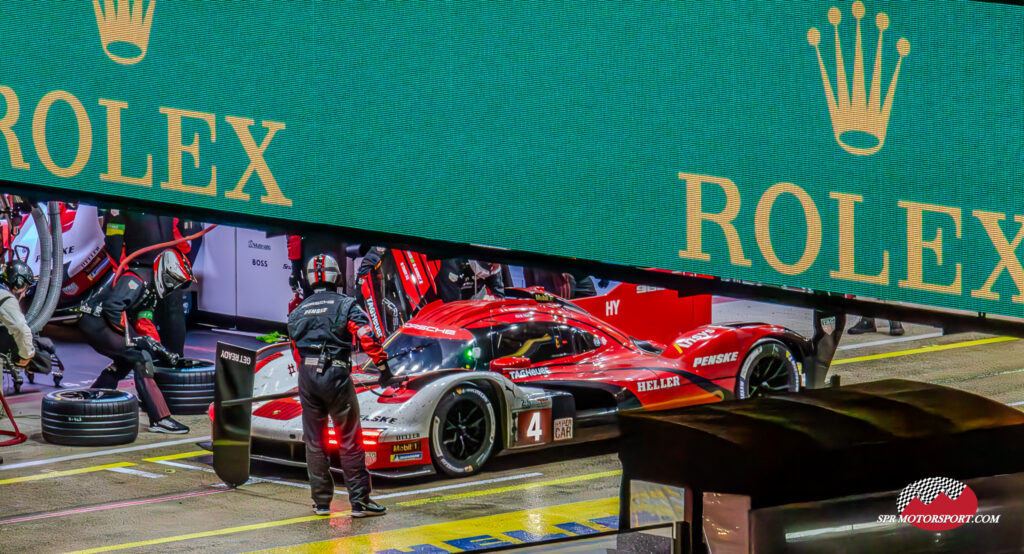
x: 469, y: 534
x: 923, y: 350
x: 278, y: 523
x: 213, y: 533
x: 53, y: 474
x: 524, y: 486
x: 178, y: 456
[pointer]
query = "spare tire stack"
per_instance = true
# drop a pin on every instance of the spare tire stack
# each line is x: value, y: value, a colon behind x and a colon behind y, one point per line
x: 187, y: 388
x: 90, y: 417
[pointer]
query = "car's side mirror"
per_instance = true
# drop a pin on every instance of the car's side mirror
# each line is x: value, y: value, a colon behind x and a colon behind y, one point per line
x: 509, y: 363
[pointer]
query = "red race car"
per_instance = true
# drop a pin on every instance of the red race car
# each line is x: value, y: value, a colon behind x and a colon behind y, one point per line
x: 479, y: 377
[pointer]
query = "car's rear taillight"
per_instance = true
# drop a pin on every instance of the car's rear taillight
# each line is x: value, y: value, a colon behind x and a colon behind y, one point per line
x: 370, y: 437
x: 332, y: 435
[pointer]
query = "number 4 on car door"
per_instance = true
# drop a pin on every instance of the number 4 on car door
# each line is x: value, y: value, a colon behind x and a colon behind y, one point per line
x: 533, y: 427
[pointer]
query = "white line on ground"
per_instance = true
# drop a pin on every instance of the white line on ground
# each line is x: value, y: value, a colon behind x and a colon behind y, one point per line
x: 889, y: 341
x: 459, y: 485
x: 237, y: 332
x: 140, y: 473
x: 1016, y: 403
x: 251, y: 479
x: 381, y: 496
x: 102, y: 453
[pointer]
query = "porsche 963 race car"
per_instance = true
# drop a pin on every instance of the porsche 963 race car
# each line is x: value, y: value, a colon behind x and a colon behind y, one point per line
x: 476, y: 378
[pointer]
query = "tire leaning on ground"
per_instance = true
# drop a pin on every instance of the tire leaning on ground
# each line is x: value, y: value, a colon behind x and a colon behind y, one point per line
x: 187, y: 389
x: 462, y: 431
x: 90, y: 417
x: 769, y: 368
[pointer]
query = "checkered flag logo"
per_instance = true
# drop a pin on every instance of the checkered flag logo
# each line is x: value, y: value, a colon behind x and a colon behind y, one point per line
x: 928, y: 490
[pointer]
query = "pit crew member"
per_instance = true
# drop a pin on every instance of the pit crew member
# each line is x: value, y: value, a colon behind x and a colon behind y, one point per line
x: 118, y: 323
x: 321, y: 329
x: 140, y: 230
x: 16, y: 335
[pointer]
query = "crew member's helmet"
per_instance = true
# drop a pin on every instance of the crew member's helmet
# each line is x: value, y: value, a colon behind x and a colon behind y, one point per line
x: 17, y: 275
x: 322, y: 269
x: 171, y: 271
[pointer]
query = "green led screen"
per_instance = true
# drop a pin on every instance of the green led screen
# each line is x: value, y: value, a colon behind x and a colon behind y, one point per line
x: 870, y: 148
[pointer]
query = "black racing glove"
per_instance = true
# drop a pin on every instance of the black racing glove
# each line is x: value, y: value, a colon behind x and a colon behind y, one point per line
x: 150, y: 345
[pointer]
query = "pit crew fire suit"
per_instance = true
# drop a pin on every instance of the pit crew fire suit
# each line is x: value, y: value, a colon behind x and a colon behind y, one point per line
x: 322, y: 328
x: 15, y: 334
x: 140, y: 230
x: 130, y: 302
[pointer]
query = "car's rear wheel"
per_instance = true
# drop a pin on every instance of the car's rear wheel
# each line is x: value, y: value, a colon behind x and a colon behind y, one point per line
x: 769, y: 368
x: 462, y: 432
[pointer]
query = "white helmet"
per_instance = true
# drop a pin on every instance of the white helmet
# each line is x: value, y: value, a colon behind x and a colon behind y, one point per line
x: 171, y: 271
x: 322, y: 269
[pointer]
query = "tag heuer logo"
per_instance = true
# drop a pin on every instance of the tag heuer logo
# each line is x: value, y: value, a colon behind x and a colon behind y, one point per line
x: 124, y: 28
x: 859, y: 119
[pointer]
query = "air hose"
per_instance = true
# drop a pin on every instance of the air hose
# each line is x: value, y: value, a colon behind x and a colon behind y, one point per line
x: 56, y: 269
x: 168, y: 244
x: 51, y: 265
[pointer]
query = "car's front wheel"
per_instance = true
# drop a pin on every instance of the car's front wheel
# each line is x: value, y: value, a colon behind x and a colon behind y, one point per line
x: 769, y: 368
x: 462, y: 431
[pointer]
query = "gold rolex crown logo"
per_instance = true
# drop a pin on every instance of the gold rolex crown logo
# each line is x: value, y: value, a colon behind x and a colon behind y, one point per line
x: 857, y: 117
x: 125, y: 28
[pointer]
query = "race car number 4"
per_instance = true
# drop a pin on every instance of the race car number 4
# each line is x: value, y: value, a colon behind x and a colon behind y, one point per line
x: 534, y: 427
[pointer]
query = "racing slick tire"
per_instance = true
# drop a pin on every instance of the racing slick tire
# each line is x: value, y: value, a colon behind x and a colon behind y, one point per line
x: 90, y: 417
x: 768, y: 368
x: 188, y: 388
x: 462, y: 431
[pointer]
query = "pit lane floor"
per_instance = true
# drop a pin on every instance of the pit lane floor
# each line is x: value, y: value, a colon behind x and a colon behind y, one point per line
x: 159, y: 494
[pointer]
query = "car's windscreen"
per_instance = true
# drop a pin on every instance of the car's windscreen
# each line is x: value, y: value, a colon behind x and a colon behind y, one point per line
x: 414, y: 354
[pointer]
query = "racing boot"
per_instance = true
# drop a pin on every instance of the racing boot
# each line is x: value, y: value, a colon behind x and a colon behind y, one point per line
x: 168, y: 425
x: 322, y: 510
x: 107, y: 379
x: 865, y: 325
x: 368, y: 509
x: 896, y: 328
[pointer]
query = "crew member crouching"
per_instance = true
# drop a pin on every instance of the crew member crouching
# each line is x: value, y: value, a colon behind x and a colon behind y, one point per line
x: 118, y: 323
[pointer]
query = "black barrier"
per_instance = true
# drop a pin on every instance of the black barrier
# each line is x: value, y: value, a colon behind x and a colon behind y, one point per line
x: 837, y: 449
x: 232, y: 423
